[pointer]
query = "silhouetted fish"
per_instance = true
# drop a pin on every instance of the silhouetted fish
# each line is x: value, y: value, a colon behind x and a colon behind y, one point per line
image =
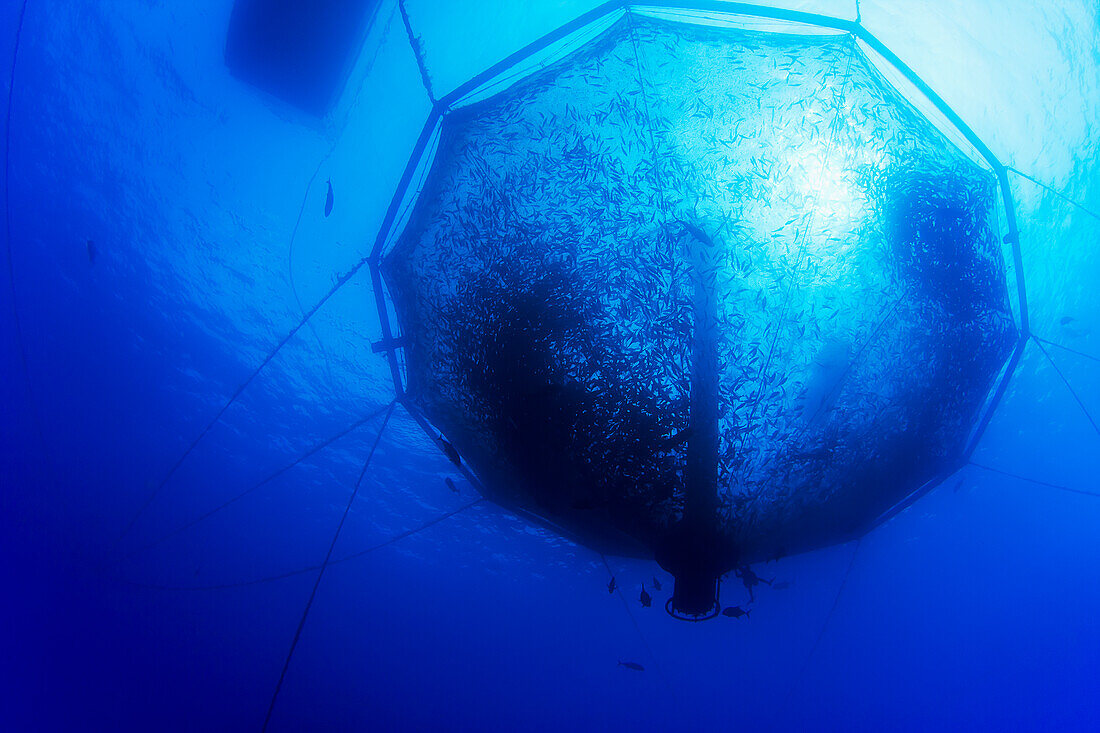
x: 1070, y: 326
x: 656, y: 583
x: 611, y: 585
x: 451, y: 484
x: 696, y: 232
x: 782, y: 585
x: 450, y: 451
x: 632, y: 665
x: 645, y: 598
x: 735, y: 612
x: 92, y: 252
x: 328, y: 199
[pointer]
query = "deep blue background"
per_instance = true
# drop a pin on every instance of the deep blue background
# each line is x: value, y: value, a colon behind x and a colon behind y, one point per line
x: 973, y: 609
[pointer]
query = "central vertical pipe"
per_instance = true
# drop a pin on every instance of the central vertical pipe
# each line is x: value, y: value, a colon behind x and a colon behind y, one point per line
x: 701, y: 477
x: 694, y: 551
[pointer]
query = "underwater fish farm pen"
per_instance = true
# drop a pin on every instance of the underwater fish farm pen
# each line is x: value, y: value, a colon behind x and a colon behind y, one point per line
x: 703, y: 282
x: 555, y: 365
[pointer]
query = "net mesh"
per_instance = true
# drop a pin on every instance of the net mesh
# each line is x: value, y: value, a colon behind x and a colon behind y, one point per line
x: 553, y: 276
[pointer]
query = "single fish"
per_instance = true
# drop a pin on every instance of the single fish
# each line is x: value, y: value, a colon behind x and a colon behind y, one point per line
x: 696, y: 232
x: 450, y: 451
x: 782, y: 585
x: 656, y: 583
x: 735, y: 612
x: 632, y: 665
x: 451, y: 484
x: 1070, y: 326
x: 611, y: 585
x: 92, y: 252
x: 645, y: 598
x: 328, y: 199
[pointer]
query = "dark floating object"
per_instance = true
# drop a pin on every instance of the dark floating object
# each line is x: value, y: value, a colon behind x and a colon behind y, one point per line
x: 656, y: 583
x: 702, y: 294
x: 301, y: 52
x: 632, y: 665
x: 782, y: 585
x: 92, y: 252
x: 644, y: 598
x: 1066, y: 320
x: 735, y: 612
x: 328, y: 199
x: 450, y: 484
x: 611, y: 585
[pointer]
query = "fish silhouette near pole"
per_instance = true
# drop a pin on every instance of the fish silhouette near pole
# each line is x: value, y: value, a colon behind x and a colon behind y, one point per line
x: 632, y: 665
x: 645, y: 598
x: 328, y: 199
x: 450, y: 451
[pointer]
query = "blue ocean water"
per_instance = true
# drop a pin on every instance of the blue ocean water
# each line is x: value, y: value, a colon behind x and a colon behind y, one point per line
x: 204, y: 198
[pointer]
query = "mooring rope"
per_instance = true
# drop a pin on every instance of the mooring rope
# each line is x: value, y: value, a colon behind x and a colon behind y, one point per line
x: 824, y: 627
x: 315, y: 448
x: 1028, y: 479
x: 1072, y: 391
x: 324, y: 566
x: 340, y: 282
x: 1054, y: 191
x: 1066, y: 348
x: 300, y: 571
x: 836, y: 601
